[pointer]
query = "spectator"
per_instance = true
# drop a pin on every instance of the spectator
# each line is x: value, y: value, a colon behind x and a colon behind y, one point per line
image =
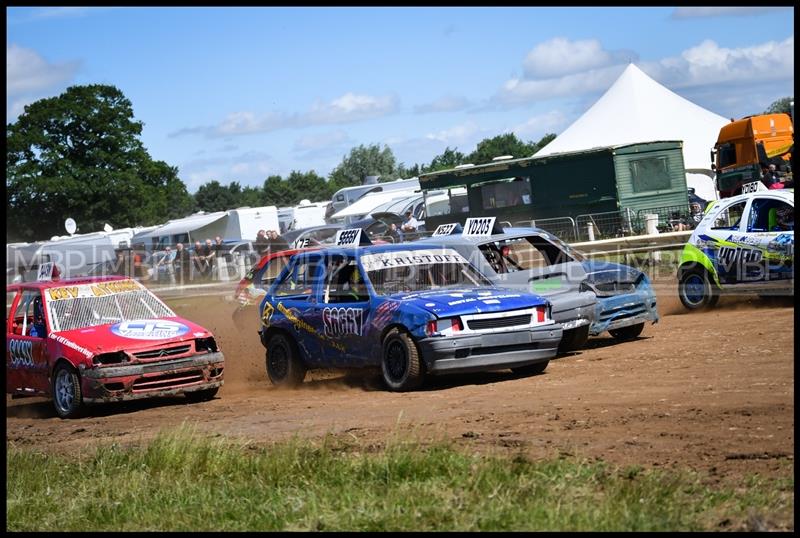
x: 208, y: 255
x: 785, y: 219
x: 394, y: 234
x: 262, y: 243
x: 769, y: 176
x: 277, y: 242
x: 182, y: 262
x: 198, y: 260
x: 222, y: 258
x: 168, y: 263
x: 410, y: 224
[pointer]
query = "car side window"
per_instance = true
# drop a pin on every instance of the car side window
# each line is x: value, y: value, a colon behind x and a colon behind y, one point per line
x: 29, y: 315
x: 768, y: 215
x: 272, y: 271
x: 301, y: 278
x: 344, y: 282
x: 730, y: 217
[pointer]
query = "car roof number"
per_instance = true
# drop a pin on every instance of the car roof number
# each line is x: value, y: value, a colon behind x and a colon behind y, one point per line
x: 482, y: 226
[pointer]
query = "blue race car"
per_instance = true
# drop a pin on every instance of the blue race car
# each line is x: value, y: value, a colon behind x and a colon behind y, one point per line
x: 411, y: 309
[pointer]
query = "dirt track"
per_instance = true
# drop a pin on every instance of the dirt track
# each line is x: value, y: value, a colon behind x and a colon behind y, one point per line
x: 711, y: 391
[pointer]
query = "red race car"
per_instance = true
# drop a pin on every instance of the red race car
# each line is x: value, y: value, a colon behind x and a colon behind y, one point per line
x: 103, y: 339
x: 252, y: 288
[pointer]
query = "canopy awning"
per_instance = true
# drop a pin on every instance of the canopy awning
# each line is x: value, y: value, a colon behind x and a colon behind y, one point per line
x: 181, y: 226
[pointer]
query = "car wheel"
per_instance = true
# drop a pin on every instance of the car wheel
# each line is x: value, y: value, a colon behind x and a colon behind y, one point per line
x: 203, y: 395
x: 574, y: 339
x: 531, y: 369
x: 67, y: 397
x: 627, y: 333
x: 284, y: 367
x: 401, y: 365
x: 695, y: 291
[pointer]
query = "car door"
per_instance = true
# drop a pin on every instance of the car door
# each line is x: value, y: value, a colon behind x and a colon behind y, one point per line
x: 725, y: 241
x: 296, y: 297
x: 345, y: 309
x: 765, y: 256
x: 26, y: 353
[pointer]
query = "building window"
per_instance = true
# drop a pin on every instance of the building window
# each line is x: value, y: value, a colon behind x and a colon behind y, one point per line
x: 650, y: 174
x: 508, y: 192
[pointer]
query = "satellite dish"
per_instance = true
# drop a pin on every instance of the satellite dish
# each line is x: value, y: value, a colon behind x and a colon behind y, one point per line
x: 107, y: 228
x: 70, y: 225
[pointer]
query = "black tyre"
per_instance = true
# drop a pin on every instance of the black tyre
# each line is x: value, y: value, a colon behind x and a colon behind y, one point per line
x: 531, y: 369
x: 284, y: 367
x: 401, y: 365
x: 67, y: 396
x: 203, y: 395
x: 627, y: 333
x: 696, y: 291
x: 574, y: 339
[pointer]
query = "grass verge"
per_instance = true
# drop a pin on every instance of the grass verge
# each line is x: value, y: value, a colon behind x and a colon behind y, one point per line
x: 181, y: 481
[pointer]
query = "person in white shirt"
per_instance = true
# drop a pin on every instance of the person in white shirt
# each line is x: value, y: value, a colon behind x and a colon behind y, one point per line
x: 410, y: 224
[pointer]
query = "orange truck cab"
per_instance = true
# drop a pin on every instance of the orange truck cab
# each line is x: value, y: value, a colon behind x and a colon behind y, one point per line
x: 744, y: 146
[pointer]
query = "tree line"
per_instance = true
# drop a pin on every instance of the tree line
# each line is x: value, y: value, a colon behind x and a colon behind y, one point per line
x: 80, y: 155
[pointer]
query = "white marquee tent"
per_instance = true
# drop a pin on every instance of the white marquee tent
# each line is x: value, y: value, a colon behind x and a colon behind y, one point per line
x: 636, y: 108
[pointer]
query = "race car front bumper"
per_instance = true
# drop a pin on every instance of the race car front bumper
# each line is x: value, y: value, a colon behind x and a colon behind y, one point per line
x: 624, y: 310
x: 495, y: 351
x: 164, y: 378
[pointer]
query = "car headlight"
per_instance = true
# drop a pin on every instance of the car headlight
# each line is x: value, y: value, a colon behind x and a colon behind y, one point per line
x: 206, y: 344
x: 116, y: 357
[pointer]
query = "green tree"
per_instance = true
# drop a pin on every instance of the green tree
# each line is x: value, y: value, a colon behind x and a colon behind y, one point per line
x: 79, y: 155
x: 277, y: 192
x: 251, y: 197
x: 213, y: 196
x: 363, y: 161
x: 780, y: 106
x: 308, y: 185
x: 449, y: 158
x: 504, y: 144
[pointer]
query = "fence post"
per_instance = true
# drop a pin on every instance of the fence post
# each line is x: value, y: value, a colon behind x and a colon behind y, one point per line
x: 590, y: 230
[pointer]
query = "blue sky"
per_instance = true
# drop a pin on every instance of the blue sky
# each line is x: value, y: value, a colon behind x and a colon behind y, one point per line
x: 237, y: 94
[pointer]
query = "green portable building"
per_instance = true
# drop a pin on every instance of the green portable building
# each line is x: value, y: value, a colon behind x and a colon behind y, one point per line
x: 627, y: 178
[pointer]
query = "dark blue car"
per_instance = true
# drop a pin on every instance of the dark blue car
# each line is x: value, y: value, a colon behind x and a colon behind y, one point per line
x: 413, y: 310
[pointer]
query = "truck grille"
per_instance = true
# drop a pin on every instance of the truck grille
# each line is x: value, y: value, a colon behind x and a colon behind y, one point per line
x: 495, y: 323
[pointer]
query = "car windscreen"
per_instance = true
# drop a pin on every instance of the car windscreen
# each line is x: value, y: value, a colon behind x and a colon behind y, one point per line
x: 419, y: 270
x: 88, y: 305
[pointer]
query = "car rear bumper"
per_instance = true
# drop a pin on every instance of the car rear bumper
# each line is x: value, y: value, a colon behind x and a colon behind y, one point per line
x: 165, y: 378
x: 495, y: 351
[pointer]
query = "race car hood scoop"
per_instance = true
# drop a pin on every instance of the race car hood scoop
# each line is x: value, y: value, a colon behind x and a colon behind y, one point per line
x: 457, y: 302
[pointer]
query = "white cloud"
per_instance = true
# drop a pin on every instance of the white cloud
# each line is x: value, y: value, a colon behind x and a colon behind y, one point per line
x: 249, y: 168
x: 708, y: 63
x: 537, y: 126
x: 348, y: 108
x: 520, y: 91
x: 458, y: 134
x: 321, y: 140
x: 560, y: 56
x: 27, y: 72
x: 694, y: 12
x: 704, y: 64
x: 447, y: 103
x: 30, y: 77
